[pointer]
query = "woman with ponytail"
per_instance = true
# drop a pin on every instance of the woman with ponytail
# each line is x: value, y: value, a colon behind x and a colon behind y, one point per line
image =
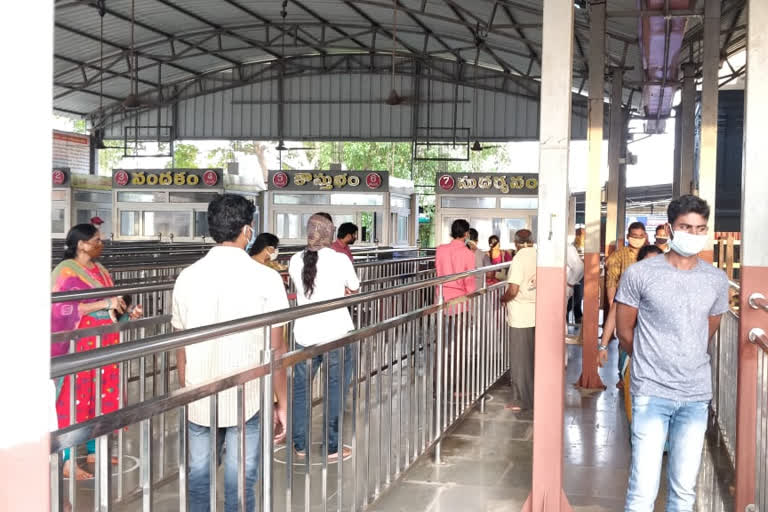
x: 80, y: 270
x: 321, y: 274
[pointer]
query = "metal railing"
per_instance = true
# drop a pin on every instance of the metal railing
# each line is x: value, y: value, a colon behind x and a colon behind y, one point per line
x: 760, y: 338
x: 415, y: 371
x: 724, y: 356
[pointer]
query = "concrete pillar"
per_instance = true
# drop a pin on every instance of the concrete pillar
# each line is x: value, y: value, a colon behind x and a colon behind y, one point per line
x: 591, y: 311
x: 682, y: 183
x: 615, y: 136
x: 754, y: 247
x: 621, y: 196
x: 555, y: 134
x: 709, y: 98
x: 27, y: 394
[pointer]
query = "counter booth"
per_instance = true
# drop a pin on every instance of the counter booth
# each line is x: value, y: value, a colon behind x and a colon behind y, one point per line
x: 172, y: 204
x: 76, y: 199
x: 384, y: 208
x: 493, y: 204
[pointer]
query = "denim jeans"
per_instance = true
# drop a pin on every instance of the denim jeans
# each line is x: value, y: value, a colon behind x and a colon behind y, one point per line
x: 335, y: 402
x: 199, y: 465
x: 652, y: 419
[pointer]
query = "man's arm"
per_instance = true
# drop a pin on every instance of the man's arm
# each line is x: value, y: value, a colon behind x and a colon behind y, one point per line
x: 612, y: 275
x: 714, y: 325
x: 511, y: 292
x: 626, y: 319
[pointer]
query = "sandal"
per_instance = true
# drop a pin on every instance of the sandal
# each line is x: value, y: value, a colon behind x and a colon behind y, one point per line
x: 346, y: 453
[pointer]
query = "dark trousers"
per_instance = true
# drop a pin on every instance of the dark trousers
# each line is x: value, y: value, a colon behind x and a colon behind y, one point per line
x: 574, y: 303
x: 522, y: 351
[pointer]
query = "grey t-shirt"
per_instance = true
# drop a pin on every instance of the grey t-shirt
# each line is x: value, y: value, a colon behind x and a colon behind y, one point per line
x: 670, y: 358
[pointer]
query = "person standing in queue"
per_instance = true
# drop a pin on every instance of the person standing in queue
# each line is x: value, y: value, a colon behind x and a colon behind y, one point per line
x: 319, y: 274
x: 80, y: 270
x: 669, y: 307
x: 520, y: 298
x: 494, y: 256
x: 346, y: 236
x: 226, y: 284
x: 265, y: 251
x: 478, y: 254
x: 662, y: 237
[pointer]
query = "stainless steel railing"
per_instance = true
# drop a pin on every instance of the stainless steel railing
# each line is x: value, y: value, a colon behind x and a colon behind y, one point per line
x: 409, y: 358
x: 760, y: 338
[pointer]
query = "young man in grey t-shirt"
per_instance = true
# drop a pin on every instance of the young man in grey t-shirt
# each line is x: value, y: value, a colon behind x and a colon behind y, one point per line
x: 668, y: 309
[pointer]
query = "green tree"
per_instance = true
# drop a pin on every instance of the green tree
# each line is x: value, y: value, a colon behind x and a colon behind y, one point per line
x: 184, y: 157
x: 110, y: 157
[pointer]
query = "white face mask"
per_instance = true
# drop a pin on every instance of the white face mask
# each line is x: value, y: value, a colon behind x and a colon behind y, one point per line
x: 686, y: 244
x: 273, y: 256
x: 636, y: 243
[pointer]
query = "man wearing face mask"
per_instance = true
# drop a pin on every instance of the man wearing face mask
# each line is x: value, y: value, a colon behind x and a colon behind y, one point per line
x: 265, y: 251
x: 661, y: 238
x: 668, y: 308
x: 226, y: 284
x: 345, y: 236
x: 622, y: 258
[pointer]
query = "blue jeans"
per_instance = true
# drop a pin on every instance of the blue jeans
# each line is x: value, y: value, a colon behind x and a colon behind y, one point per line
x: 335, y: 402
x: 199, y: 465
x: 652, y: 419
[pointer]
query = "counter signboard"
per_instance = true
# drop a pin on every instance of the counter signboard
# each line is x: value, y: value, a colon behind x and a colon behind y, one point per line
x: 338, y: 181
x: 476, y: 183
x: 167, y: 178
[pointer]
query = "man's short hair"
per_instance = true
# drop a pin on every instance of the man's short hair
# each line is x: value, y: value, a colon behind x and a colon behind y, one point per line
x: 227, y: 214
x: 345, y: 229
x: 523, y: 236
x: 459, y: 228
x: 636, y: 225
x: 473, y: 234
x: 687, y: 204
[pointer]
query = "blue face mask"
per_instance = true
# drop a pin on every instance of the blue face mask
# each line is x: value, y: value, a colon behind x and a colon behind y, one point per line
x: 251, y: 241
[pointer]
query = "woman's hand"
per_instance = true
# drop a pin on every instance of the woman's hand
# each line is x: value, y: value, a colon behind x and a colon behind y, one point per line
x: 602, y: 357
x: 117, y: 304
x: 136, y: 312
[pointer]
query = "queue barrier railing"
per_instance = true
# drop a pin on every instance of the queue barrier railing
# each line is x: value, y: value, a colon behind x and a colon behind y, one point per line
x: 418, y: 365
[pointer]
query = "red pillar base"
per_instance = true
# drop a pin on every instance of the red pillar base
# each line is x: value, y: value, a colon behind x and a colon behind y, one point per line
x: 548, y: 505
x: 589, y: 377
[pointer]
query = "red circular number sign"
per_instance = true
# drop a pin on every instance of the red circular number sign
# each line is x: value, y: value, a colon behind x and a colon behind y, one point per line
x: 447, y: 182
x: 121, y: 178
x: 59, y: 177
x: 373, y: 180
x: 280, y: 180
x: 210, y: 178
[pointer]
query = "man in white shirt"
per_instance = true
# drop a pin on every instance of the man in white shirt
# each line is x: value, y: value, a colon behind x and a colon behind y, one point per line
x: 574, y: 269
x: 320, y: 273
x: 226, y: 284
x: 520, y: 299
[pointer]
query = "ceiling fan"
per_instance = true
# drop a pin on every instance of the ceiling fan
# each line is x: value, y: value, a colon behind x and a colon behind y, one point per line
x: 133, y: 101
x: 394, y: 98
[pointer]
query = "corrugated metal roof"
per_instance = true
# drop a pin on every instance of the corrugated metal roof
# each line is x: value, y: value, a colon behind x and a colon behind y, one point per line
x: 188, y: 39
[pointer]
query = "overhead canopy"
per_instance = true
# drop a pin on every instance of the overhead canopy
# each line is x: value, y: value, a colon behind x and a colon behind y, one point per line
x: 300, y: 69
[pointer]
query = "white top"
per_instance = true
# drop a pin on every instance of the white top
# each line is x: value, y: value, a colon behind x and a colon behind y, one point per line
x: 521, y: 311
x: 575, y: 265
x: 225, y: 284
x: 334, y: 273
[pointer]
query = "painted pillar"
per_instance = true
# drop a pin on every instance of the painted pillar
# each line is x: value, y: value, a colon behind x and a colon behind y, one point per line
x: 683, y: 182
x: 621, y: 197
x: 591, y: 311
x: 28, y: 393
x: 709, y: 98
x: 615, y: 135
x: 754, y: 247
x: 555, y: 134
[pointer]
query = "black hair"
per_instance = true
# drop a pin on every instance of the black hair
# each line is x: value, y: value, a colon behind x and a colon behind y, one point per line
x: 473, y: 234
x: 660, y: 226
x: 459, y: 228
x: 326, y: 215
x: 636, y: 225
x: 646, y: 250
x: 227, y: 214
x: 687, y: 204
x: 492, y: 237
x: 346, y: 229
x: 263, y: 241
x: 79, y: 233
x: 309, y: 272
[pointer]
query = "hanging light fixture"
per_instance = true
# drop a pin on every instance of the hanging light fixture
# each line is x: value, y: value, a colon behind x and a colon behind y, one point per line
x: 98, y: 133
x: 394, y: 98
x: 132, y: 100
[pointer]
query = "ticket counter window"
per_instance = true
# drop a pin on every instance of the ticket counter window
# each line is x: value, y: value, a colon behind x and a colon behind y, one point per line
x: 57, y: 220
x: 84, y: 216
x: 192, y: 197
x: 142, y: 197
x: 292, y: 225
x: 201, y: 224
x: 167, y: 223
x: 357, y: 199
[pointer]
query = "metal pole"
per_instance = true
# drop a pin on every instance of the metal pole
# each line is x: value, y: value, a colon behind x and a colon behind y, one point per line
x: 439, y: 362
x: 709, y: 105
x: 549, y: 381
x: 754, y: 257
x: 614, y: 152
x: 589, y: 377
x: 687, y: 130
